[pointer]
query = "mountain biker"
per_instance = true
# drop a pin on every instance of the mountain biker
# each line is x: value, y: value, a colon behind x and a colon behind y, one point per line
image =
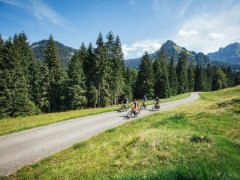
x: 125, y: 102
x: 144, y: 99
x: 135, y: 107
x: 157, y: 102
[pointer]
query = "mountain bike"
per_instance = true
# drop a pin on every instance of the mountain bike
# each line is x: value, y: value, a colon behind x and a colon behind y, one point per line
x: 124, y: 108
x: 156, y: 107
x: 133, y: 113
x: 143, y: 106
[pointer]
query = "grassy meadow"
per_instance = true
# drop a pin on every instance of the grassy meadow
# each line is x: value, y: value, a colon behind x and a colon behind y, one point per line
x: 199, y: 140
x: 10, y: 125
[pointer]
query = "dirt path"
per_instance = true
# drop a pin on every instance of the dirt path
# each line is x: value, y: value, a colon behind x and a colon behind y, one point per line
x: 29, y: 146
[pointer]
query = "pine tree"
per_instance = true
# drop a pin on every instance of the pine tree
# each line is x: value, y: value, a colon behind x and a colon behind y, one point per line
x: 182, y: 72
x: 191, y: 78
x: 4, y: 102
x: 145, y: 80
x: 157, y: 68
x: 83, y: 52
x: 14, y: 92
x: 162, y: 85
x: 1, y: 52
x: 24, y: 53
x: 117, y: 70
x: 90, y: 71
x: 199, y: 79
x: 130, y: 82
x: 237, y: 79
x: 103, y: 69
x: 219, y: 79
x: 173, y: 78
x: 39, y: 83
x: 56, y: 75
x: 208, y: 78
x: 76, y: 83
x: 110, y: 45
x: 112, y: 78
x: 1, y: 43
x: 230, y: 76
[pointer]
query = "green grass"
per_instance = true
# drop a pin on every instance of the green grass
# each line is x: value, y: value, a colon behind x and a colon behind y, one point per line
x: 11, y: 125
x: 199, y: 140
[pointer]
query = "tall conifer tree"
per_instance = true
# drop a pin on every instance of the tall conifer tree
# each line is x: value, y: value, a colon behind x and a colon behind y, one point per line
x: 90, y: 71
x: 162, y: 86
x: 182, y: 72
x: 208, y: 78
x: 14, y: 87
x: 130, y: 82
x: 117, y: 70
x: 219, y: 79
x: 76, y: 84
x: 199, y: 79
x: 173, y: 78
x: 191, y: 78
x: 145, y: 80
x: 39, y: 84
x: 56, y: 75
x: 103, y: 69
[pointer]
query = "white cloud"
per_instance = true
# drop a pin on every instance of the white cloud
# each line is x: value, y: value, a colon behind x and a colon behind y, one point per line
x: 148, y: 45
x: 127, y: 50
x: 216, y: 27
x: 43, y: 11
x: 40, y: 10
x: 15, y: 3
x: 138, y: 48
x: 215, y: 36
x: 187, y: 33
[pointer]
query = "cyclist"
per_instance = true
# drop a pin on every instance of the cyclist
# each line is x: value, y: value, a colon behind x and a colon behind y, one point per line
x: 157, y: 103
x: 125, y: 103
x: 135, y: 107
x: 144, y: 100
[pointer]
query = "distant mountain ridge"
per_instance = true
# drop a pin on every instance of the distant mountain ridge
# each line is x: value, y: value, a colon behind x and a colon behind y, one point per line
x: 65, y: 53
x: 172, y: 51
x: 229, y: 54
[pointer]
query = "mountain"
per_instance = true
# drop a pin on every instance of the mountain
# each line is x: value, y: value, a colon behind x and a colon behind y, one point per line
x: 65, y: 53
x: 229, y: 54
x: 172, y: 51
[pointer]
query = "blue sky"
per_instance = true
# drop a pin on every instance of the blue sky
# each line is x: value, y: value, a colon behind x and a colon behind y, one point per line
x: 143, y: 25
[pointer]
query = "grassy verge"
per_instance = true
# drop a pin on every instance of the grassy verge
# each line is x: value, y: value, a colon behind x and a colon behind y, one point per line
x: 199, y: 140
x: 11, y: 125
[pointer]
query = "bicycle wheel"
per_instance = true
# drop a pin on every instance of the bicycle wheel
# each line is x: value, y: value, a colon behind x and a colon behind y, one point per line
x: 139, y: 111
x: 153, y: 108
x: 129, y: 114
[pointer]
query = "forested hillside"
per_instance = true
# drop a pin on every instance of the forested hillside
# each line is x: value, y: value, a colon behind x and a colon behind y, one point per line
x: 96, y: 77
x: 65, y: 53
x: 234, y: 67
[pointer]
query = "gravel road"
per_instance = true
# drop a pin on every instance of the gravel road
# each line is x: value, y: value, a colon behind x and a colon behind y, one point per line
x: 29, y: 146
